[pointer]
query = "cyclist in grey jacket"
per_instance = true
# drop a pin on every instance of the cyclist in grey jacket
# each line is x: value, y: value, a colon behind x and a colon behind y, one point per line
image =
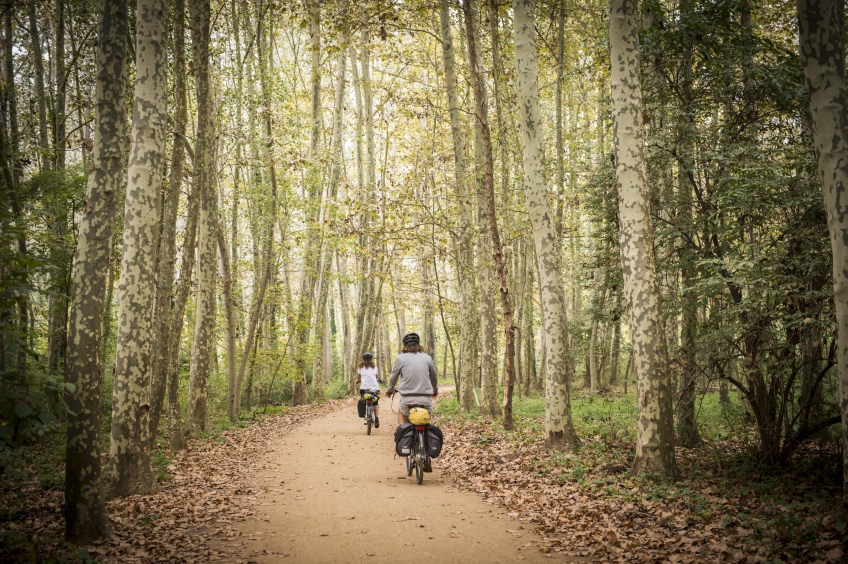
x: 419, y: 382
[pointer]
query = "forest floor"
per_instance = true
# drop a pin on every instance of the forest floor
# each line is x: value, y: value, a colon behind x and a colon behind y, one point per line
x: 309, y: 485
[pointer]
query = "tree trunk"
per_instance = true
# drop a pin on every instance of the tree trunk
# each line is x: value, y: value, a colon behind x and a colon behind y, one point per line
x: 560, y: 147
x: 528, y: 328
x: 591, y: 362
x: 559, y: 430
x: 230, y: 314
x: 57, y: 325
x: 655, y: 429
x: 489, y: 197
x: 85, y: 510
x: 313, y: 209
x: 162, y: 342
x: 822, y: 45
x: 204, y: 174
x: 268, y: 243
x: 615, y: 361
x: 11, y: 91
x: 319, y: 365
x: 488, y: 339
x: 129, y: 451
x: 59, y: 108
x: 41, y: 98
x: 687, y: 423
x: 465, y: 248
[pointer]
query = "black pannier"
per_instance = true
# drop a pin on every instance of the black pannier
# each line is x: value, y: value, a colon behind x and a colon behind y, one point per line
x: 403, y: 439
x: 434, y: 441
x: 360, y: 407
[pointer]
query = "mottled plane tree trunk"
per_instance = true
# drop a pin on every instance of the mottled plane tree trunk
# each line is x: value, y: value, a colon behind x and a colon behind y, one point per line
x: 469, y: 313
x: 175, y: 429
x: 559, y: 431
x: 207, y: 229
x: 655, y: 428
x: 168, y: 240
x: 129, y: 450
x: 485, y: 250
x: 822, y: 41
x: 488, y: 193
x: 85, y: 510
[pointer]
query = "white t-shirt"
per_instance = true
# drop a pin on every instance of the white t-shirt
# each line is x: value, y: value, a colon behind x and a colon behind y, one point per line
x: 369, y: 378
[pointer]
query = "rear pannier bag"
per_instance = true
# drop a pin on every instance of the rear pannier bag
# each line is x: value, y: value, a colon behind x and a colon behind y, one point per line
x: 360, y: 407
x: 403, y: 439
x: 434, y: 441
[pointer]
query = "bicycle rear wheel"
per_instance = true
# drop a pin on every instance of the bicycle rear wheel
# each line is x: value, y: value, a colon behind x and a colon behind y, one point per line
x: 369, y: 418
x: 420, y: 457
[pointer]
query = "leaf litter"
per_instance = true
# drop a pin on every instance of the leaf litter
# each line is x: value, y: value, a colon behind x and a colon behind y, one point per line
x: 587, y: 505
x: 206, y: 494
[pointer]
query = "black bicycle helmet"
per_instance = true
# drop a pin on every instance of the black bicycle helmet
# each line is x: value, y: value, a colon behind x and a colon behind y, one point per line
x: 411, y: 339
x: 367, y: 356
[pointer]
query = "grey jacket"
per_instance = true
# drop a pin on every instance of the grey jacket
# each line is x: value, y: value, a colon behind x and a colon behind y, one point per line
x: 417, y: 375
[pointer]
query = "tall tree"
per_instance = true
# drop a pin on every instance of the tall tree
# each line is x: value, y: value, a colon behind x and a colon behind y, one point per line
x: 319, y: 364
x: 655, y: 429
x: 265, y: 59
x: 11, y: 91
x: 822, y: 45
x: 485, y: 249
x: 59, y: 106
x: 44, y: 158
x: 57, y: 334
x: 469, y: 323
x: 207, y: 236
x: 489, y: 195
x: 85, y: 510
x: 168, y: 238
x: 129, y: 450
x: 559, y: 430
x: 313, y: 208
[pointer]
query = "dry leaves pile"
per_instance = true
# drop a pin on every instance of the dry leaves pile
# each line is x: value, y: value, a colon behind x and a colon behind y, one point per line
x: 202, y: 500
x: 603, y: 513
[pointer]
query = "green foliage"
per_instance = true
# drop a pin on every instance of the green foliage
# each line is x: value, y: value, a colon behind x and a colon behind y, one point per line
x: 161, y: 461
x: 30, y: 408
x: 336, y: 389
x: 448, y: 407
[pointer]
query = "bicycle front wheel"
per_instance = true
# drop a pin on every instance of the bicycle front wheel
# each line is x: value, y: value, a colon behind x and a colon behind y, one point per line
x: 409, y: 465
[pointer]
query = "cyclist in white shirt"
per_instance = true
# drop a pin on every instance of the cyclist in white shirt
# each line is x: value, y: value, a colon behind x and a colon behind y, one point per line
x: 368, y: 382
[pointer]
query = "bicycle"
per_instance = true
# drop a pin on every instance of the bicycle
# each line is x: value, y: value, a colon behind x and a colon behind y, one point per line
x: 369, y: 398
x: 418, y: 458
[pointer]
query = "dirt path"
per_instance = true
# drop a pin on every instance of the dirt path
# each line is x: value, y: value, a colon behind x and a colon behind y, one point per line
x: 334, y: 494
